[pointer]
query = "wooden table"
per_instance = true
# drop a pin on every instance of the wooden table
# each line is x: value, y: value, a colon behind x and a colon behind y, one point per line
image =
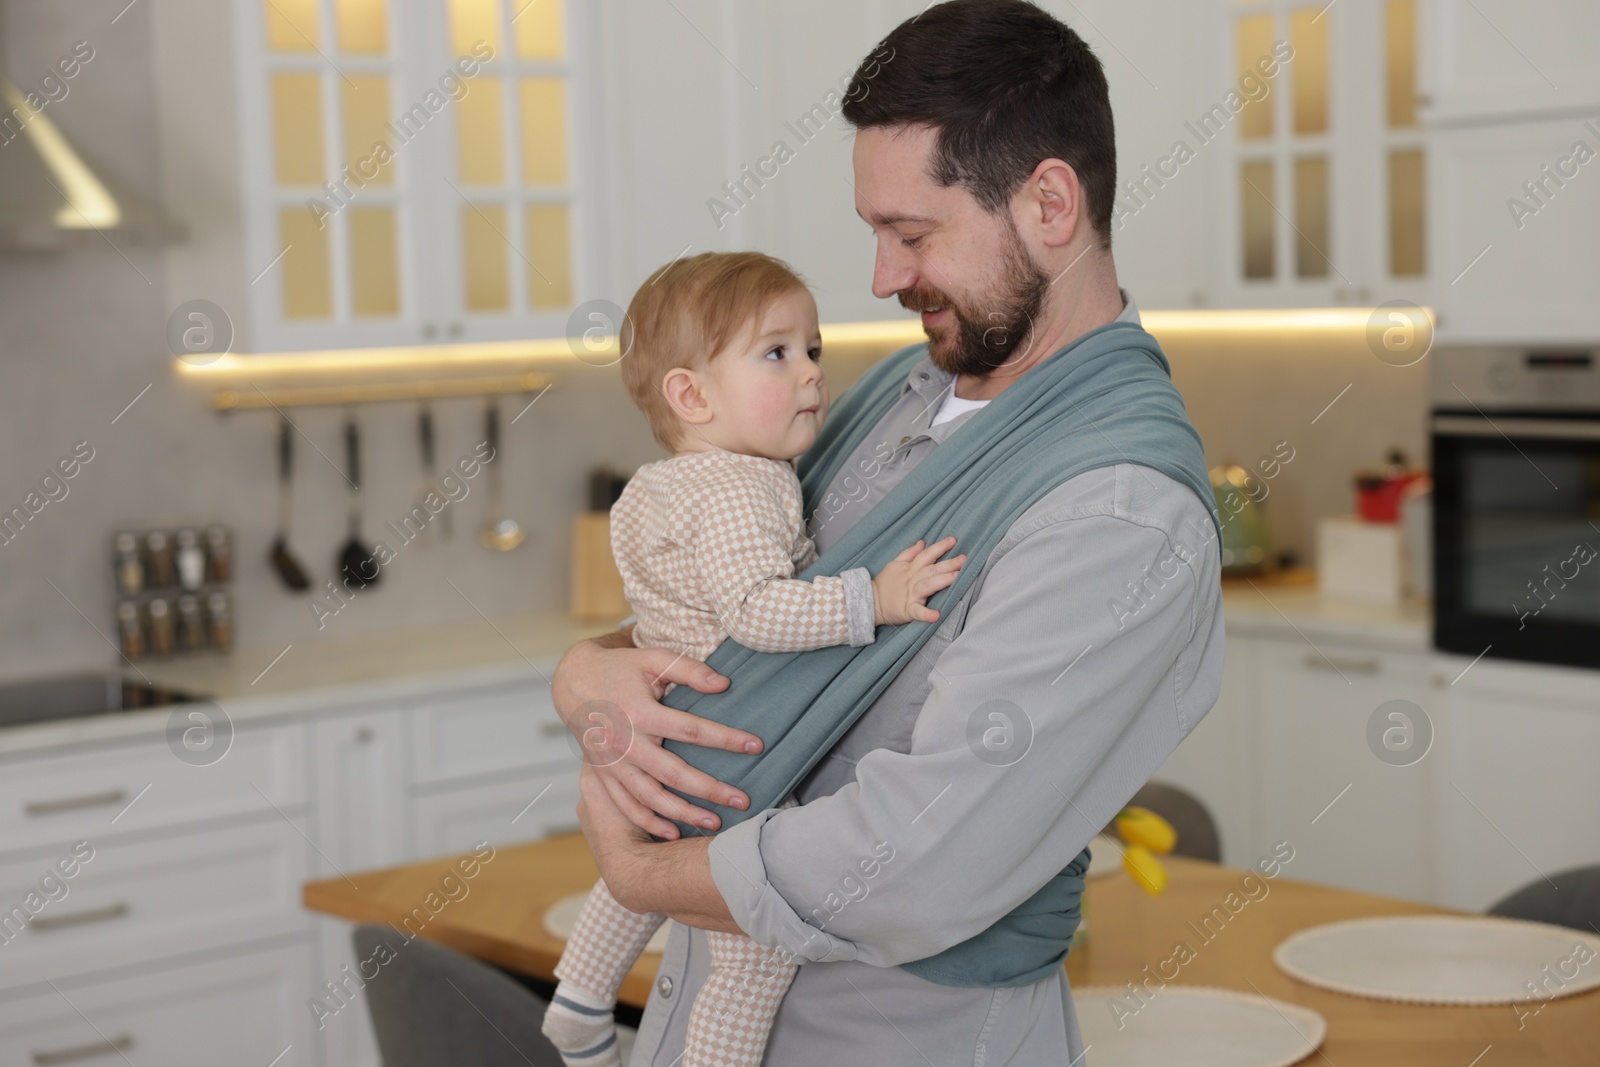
x: 500, y: 919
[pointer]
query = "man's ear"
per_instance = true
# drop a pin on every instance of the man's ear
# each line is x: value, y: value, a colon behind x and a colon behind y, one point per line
x: 685, y: 392
x: 1053, y: 202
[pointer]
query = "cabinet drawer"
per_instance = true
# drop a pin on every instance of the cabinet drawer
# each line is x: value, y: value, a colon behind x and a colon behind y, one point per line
x: 134, y: 901
x: 502, y: 814
x: 245, y: 1010
x: 90, y: 794
x: 488, y: 730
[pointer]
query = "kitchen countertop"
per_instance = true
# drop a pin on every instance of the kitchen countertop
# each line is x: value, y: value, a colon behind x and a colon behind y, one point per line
x: 316, y: 675
x: 1289, y: 603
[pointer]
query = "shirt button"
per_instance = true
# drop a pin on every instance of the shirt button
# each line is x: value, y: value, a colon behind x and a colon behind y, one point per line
x: 904, y: 439
x: 664, y: 987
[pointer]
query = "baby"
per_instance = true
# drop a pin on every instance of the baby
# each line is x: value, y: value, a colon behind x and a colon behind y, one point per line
x: 721, y: 353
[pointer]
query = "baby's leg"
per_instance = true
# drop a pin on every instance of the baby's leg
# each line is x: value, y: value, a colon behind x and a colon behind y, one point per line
x: 734, y: 1010
x: 604, y: 944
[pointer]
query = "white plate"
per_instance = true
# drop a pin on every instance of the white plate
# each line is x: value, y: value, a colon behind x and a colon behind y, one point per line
x: 562, y: 916
x: 1193, y: 1026
x: 1105, y: 857
x: 1443, y: 959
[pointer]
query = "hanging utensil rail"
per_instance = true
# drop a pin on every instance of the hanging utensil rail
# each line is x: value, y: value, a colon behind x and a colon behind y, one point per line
x: 226, y: 400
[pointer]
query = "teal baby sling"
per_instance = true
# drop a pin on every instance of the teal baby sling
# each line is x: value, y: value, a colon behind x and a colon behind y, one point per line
x: 1105, y: 399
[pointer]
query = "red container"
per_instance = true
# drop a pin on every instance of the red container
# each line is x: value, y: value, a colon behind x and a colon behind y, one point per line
x: 1378, y: 498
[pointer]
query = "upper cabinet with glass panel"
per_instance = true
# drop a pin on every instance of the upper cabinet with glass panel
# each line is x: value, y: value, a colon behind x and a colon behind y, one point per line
x: 1327, y: 202
x: 407, y: 170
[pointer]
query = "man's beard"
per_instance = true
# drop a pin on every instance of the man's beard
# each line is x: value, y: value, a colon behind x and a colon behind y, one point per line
x: 985, y: 336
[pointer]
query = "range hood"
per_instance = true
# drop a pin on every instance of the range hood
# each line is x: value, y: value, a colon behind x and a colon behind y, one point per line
x: 50, y: 195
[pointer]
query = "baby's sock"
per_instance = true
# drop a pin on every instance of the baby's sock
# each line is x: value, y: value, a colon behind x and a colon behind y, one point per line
x: 581, y: 1027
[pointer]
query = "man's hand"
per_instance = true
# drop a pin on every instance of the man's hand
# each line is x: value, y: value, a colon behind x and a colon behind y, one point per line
x: 609, y: 694
x: 673, y: 878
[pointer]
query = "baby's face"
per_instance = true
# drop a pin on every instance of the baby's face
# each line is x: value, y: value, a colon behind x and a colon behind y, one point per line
x: 766, y: 391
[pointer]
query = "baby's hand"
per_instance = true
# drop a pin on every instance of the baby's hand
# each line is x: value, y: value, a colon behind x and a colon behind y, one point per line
x: 901, y: 590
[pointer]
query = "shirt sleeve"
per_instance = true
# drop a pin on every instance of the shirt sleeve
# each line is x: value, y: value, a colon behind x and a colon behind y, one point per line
x: 1050, y: 708
x: 743, y: 550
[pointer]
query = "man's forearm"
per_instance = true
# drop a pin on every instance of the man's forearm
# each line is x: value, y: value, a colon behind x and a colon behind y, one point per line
x: 674, y: 879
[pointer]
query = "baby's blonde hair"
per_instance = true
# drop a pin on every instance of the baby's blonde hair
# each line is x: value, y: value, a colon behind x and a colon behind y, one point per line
x: 686, y: 313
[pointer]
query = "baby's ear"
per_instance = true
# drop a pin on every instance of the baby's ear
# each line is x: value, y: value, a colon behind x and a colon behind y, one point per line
x: 685, y: 393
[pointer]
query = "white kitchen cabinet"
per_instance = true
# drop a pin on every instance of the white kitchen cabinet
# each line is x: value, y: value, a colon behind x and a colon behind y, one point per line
x: 1309, y: 138
x: 98, y: 790
x: 1517, y: 795
x: 1517, y: 233
x: 1284, y: 756
x: 362, y: 770
x: 1354, y: 820
x: 1501, y: 59
x: 532, y: 805
x: 488, y: 731
x: 379, y: 173
x: 363, y: 822
x: 246, y: 1009
x: 136, y: 901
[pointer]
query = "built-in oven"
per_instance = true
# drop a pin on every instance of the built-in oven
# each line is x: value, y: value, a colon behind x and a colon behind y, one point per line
x: 1516, y: 504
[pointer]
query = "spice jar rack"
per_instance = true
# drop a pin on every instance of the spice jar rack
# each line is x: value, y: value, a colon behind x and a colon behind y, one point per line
x: 173, y: 590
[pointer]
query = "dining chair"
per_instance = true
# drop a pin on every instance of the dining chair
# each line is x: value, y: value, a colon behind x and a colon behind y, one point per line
x: 1569, y: 898
x: 1197, y: 830
x: 434, y: 1007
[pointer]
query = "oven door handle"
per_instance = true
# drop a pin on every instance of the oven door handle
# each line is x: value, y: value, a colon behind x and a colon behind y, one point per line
x: 1555, y: 429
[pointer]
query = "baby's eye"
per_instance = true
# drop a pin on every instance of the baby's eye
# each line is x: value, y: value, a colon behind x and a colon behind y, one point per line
x: 778, y: 351
x: 815, y: 353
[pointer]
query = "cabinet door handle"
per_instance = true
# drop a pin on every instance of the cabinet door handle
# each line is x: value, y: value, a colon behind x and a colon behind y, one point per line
x: 1319, y: 662
x: 88, y: 800
x: 78, y: 918
x: 120, y: 1043
x: 553, y: 729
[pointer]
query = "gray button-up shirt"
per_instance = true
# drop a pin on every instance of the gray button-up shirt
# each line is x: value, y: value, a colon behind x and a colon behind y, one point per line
x: 1089, y: 646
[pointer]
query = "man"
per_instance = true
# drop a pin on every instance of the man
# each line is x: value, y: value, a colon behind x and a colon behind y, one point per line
x: 1088, y: 647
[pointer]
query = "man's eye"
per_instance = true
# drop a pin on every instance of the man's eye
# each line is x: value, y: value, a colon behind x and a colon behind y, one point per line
x: 778, y: 351
x: 912, y: 242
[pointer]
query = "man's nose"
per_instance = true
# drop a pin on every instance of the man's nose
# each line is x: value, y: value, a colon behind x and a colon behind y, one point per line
x: 893, y: 270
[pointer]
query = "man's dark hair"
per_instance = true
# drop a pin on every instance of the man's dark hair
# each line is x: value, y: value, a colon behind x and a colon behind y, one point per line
x: 1006, y: 85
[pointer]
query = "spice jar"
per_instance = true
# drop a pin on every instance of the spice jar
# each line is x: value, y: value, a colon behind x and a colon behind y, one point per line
x: 191, y: 623
x: 219, y: 555
x: 130, y: 568
x: 221, y: 618
x: 191, y: 560
x: 130, y: 638
x: 161, y: 628
x: 158, y: 558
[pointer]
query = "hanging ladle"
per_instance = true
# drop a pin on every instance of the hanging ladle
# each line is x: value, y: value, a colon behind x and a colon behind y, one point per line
x: 287, y: 568
x: 355, y: 561
x: 500, y: 532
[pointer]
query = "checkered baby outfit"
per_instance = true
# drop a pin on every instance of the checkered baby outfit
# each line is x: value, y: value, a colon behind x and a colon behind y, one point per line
x: 708, y: 544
